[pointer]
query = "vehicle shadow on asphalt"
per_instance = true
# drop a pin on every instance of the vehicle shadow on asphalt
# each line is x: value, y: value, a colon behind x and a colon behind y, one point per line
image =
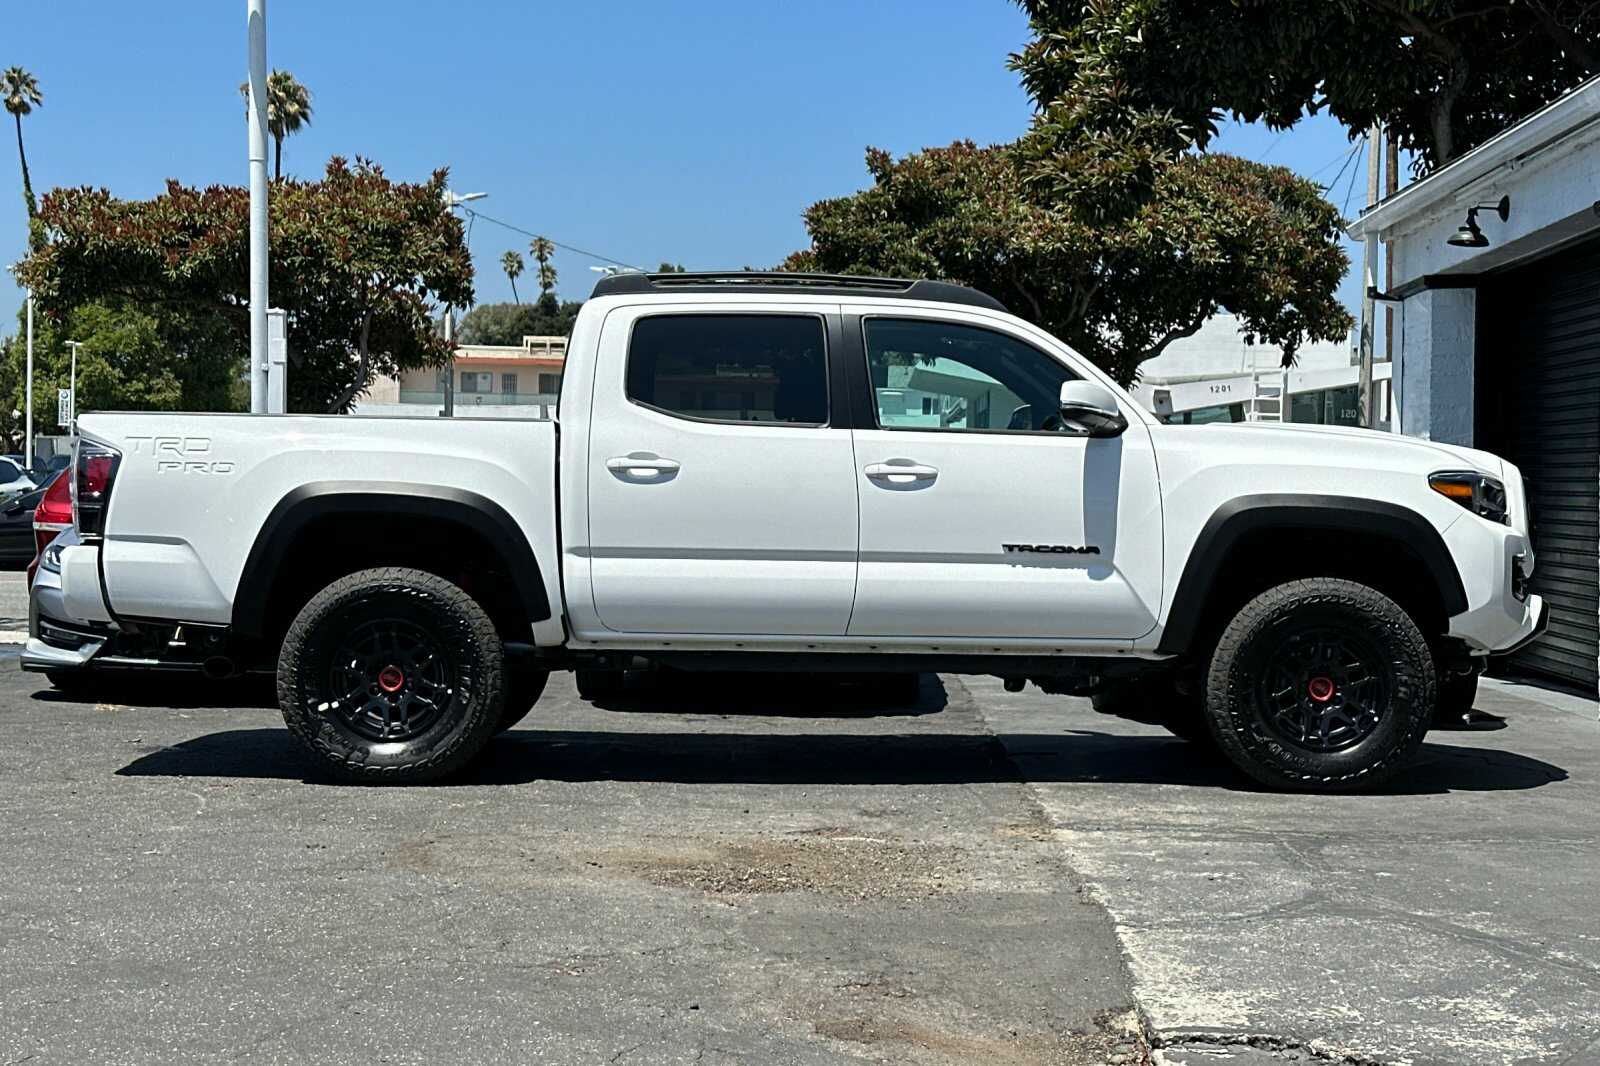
x: 528, y: 755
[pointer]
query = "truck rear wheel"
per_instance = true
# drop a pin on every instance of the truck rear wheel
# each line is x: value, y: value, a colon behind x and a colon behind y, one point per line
x: 1322, y: 685
x: 392, y: 676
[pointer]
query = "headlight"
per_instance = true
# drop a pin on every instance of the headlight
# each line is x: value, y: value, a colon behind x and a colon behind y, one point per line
x: 51, y: 559
x: 1478, y: 493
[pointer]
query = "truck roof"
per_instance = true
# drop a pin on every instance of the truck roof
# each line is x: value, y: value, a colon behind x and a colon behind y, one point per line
x: 773, y: 281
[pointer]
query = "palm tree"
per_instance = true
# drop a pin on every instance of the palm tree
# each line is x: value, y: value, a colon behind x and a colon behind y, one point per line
x: 542, y: 249
x: 511, y: 263
x: 22, y: 95
x: 288, y: 109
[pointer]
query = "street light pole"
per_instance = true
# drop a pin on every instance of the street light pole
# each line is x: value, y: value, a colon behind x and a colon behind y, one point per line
x: 256, y: 16
x: 72, y: 380
x: 451, y: 202
x: 27, y: 418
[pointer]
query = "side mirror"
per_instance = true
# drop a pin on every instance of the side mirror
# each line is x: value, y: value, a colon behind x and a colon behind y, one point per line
x: 1090, y: 410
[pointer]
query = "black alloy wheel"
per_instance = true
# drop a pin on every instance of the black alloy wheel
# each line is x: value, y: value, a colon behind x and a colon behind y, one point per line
x: 1321, y: 684
x: 1326, y: 688
x: 392, y: 675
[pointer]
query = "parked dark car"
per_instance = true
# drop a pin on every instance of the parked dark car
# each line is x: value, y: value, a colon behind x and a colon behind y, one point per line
x: 17, y: 543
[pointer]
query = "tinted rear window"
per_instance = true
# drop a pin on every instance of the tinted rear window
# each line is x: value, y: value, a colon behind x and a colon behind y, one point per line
x: 731, y: 368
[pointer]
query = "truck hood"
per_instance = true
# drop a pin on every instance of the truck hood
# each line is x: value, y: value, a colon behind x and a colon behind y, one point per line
x: 1315, y: 441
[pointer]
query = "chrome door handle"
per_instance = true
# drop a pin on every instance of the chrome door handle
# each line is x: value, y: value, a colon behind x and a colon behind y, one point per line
x: 641, y: 465
x: 900, y: 472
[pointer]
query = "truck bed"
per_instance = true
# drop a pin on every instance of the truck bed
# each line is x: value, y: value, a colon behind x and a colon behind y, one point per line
x: 194, y: 492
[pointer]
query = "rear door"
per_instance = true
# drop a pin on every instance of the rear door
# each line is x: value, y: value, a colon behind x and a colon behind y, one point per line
x: 722, y: 497
x: 980, y: 516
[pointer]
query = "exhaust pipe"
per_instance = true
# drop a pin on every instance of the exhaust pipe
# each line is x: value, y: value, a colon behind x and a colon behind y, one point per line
x: 219, y: 668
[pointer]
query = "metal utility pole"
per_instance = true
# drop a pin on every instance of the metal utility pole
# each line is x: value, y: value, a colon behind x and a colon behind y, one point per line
x: 451, y: 202
x: 27, y: 402
x: 256, y: 14
x: 72, y: 381
x: 1369, y: 282
x: 450, y: 369
x: 1391, y: 185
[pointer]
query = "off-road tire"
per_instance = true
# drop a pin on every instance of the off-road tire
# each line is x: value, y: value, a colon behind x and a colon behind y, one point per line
x: 1457, y: 694
x: 1156, y: 699
x: 1395, y: 654
x: 599, y: 684
x: 472, y: 664
x: 524, y: 686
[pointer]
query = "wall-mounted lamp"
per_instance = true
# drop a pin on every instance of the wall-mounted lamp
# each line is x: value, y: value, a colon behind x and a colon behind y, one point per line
x: 1469, y: 235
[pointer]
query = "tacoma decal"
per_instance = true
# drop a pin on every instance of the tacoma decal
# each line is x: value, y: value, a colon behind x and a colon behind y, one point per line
x: 1058, y: 549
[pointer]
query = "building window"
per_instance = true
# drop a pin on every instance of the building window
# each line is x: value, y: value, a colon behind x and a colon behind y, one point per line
x: 477, y: 381
x: 550, y: 384
x: 731, y: 368
x: 508, y: 384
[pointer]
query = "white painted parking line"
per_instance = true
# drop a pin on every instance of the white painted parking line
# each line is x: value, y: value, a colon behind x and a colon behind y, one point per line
x: 13, y: 636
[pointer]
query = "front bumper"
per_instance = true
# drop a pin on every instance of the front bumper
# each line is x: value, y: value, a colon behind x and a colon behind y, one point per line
x: 1495, y: 563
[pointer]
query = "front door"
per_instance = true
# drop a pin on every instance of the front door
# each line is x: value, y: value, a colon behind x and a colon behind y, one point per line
x: 980, y: 516
x: 721, y: 499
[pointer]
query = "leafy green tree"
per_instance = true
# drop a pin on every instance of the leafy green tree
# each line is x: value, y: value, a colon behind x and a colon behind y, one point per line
x: 288, y: 109
x: 670, y: 268
x: 1444, y: 75
x: 509, y: 323
x: 131, y: 360
x: 21, y: 92
x: 358, y: 263
x: 1216, y: 232
x: 542, y: 250
x: 511, y: 263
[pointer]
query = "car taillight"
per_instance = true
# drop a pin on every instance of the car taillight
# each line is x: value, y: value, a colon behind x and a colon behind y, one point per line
x: 53, y: 514
x: 55, y: 506
x: 94, y: 469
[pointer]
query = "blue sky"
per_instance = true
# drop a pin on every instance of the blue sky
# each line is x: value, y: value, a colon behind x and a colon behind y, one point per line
x: 695, y: 132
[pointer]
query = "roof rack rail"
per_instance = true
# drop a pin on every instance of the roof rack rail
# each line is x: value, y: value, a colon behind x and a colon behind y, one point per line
x: 782, y: 281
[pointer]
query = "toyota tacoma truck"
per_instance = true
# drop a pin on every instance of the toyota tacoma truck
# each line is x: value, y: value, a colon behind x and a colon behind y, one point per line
x: 800, y: 472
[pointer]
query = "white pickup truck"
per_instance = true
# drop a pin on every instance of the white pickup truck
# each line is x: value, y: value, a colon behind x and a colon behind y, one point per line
x: 798, y: 472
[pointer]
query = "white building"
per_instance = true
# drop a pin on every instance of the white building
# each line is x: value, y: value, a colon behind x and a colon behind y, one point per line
x: 1499, y: 342
x: 491, y: 381
x: 1214, y: 376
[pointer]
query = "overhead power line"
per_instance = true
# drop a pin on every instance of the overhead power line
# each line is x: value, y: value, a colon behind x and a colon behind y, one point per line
x: 552, y: 240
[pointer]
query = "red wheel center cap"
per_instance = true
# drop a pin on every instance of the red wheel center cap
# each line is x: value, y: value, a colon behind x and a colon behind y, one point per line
x: 391, y: 679
x: 1322, y: 689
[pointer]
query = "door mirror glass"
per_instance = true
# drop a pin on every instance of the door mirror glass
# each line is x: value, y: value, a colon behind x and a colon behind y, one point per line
x: 1090, y: 410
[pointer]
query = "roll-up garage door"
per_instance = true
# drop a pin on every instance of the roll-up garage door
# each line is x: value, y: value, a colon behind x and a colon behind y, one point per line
x: 1542, y: 328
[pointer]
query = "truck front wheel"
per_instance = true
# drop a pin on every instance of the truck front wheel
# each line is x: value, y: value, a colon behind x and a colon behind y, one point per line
x: 1322, y: 685
x: 392, y: 676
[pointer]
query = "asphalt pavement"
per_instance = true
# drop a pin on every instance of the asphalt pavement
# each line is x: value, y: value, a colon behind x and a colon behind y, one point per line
x: 801, y: 876
x: 13, y: 605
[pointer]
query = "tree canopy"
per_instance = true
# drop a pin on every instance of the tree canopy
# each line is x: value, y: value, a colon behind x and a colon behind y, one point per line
x: 357, y: 262
x: 1215, y: 232
x: 509, y: 323
x: 1443, y: 75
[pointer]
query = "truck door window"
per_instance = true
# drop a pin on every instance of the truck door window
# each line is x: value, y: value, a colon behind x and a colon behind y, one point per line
x: 947, y: 376
x: 731, y: 368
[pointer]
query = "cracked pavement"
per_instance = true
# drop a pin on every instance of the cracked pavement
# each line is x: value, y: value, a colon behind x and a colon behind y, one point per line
x: 697, y: 875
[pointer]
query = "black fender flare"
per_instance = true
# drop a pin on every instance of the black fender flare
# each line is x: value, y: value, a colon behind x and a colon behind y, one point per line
x: 355, y: 499
x: 1246, y: 515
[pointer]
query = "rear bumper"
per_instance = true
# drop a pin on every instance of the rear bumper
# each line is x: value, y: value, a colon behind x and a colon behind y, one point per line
x: 55, y: 640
